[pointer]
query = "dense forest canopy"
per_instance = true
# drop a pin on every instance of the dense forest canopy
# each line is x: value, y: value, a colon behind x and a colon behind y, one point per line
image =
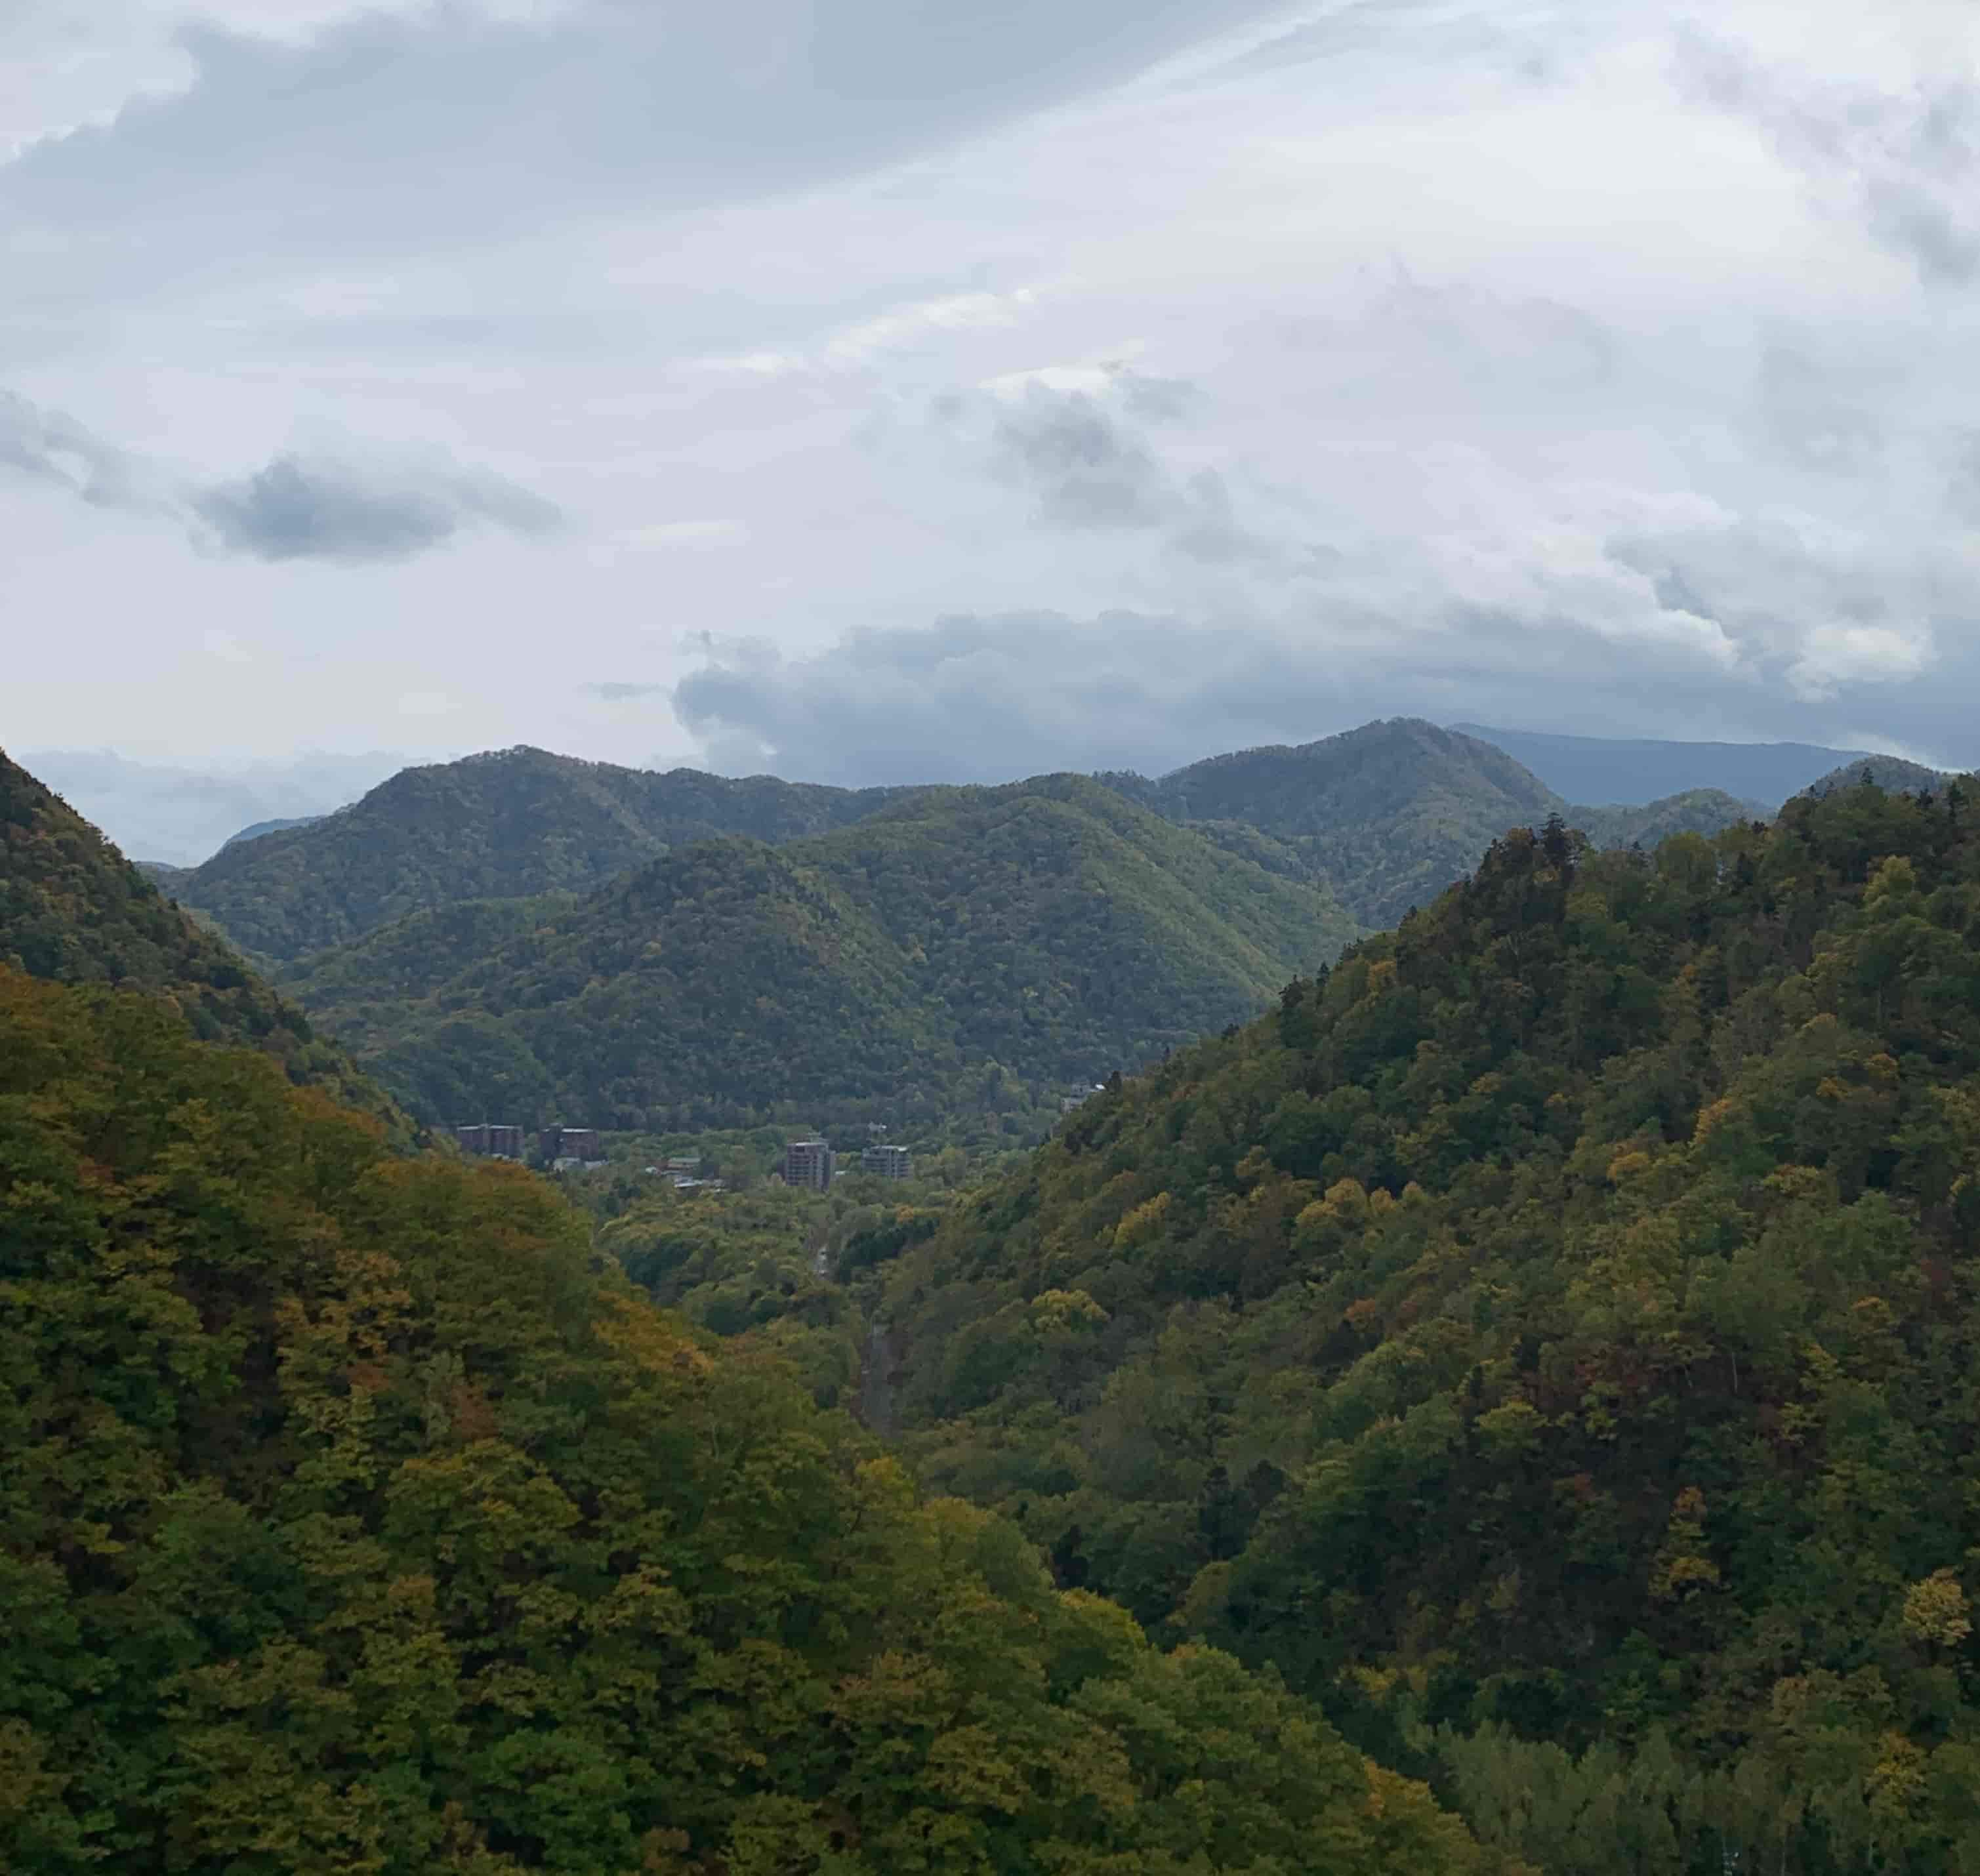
x: 1384, y: 817
x: 1549, y: 1337
x: 353, y: 1526
x: 508, y: 824
x: 1390, y: 814
x: 961, y: 949
x: 72, y: 908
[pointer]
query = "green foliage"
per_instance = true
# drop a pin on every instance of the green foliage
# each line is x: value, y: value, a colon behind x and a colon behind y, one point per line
x: 352, y: 1526
x: 508, y: 825
x: 1548, y: 1338
x: 1390, y: 814
x: 1892, y: 773
x: 1696, y: 811
x: 963, y: 951
x: 73, y: 909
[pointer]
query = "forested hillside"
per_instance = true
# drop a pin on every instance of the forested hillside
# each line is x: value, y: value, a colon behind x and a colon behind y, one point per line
x: 960, y: 947
x: 1390, y: 814
x: 510, y: 824
x: 1385, y: 816
x: 353, y: 1524
x: 73, y: 909
x: 1890, y: 773
x: 1549, y: 1338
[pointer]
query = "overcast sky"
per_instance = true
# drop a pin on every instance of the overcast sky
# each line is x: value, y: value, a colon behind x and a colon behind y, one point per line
x: 884, y: 389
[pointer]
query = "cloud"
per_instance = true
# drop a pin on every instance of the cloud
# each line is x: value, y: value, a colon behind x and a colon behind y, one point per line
x: 295, y: 509
x: 1904, y: 156
x: 623, y: 692
x: 1087, y: 466
x: 50, y: 448
x: 1639, y: 618
x: 364, y: 116
x: 298, y: 511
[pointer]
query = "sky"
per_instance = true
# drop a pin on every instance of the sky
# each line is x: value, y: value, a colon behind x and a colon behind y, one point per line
x: 883, y: 391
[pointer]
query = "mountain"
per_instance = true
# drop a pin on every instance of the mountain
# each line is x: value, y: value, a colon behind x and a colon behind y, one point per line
x: 1547, y: 1339
x: 1623, y: 769
x: 1388, y: 813
x: 182, y: 815
x: 507, y: 825
x: 357, y: 1521
x: 1892, y: 773
x: 960, y: 947
x: 73, y: 909
x: 1697, y: 810
x: 259, y: 828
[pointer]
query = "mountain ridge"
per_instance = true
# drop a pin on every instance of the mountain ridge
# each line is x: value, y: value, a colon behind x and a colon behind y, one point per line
x: 1048, y: 930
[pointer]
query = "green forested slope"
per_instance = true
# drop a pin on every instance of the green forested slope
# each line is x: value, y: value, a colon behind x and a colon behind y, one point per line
x: 352, y: 1524
x: 509, y: 823
x: 1049, y: 932
x: 1887, y: 772
x: 1390, y: 814
x: 368, y: 981
x: 73, y: 909
x: 1697, y: 810
x: 1550, y: 1338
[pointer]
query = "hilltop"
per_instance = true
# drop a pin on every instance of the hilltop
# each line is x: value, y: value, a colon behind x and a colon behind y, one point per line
x: 1384, y: 816
x: 1890, y: 772
x: 1546, y: 1338
x: 961, y: 947
x: 511, y: 824
x: 74, y: 910
x: 1390, y: 814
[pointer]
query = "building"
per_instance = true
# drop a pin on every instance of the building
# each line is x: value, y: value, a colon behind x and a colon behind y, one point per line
x: 685, y: 1166
x: 570, y: 1142
x: 810, y: 1163
x: 1068, y: 1103
x: 491, y: 1139
x: 887, y: 1162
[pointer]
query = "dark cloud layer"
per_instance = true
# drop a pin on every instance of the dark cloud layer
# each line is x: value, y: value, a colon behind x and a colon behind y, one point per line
x: 294, y: 510
x: 661, y: 105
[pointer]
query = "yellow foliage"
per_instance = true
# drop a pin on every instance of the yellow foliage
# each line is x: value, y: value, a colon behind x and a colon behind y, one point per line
x: 1143, y: 1224
x: 1935, y: 1611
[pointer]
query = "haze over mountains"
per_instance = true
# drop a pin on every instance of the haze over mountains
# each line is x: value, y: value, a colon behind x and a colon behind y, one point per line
x: 1636, y: 768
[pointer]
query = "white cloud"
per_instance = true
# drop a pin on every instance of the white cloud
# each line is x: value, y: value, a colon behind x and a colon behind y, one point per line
x: 1499, y: 362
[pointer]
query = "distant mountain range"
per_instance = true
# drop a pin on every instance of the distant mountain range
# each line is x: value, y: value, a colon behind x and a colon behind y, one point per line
x: 512, y: 823
x: 959, y: 949
x: 1385, y: 816
x: 1390, y: 814
x: 1622, y: 769
x: 528, y: 932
